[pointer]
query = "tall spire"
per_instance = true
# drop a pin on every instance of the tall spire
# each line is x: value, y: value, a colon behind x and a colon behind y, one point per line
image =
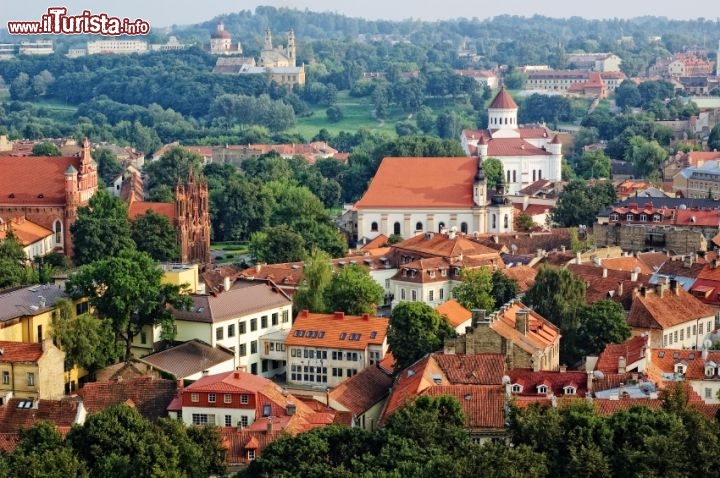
x: 268, y: 39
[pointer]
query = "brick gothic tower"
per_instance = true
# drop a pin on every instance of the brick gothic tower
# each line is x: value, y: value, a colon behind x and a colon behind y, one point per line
x: 193, y: 220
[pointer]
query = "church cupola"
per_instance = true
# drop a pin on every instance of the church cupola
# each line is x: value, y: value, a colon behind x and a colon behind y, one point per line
x: 268, y: 40
x: 482, y: 147
x: 479, y: 185
x: 502, y: 112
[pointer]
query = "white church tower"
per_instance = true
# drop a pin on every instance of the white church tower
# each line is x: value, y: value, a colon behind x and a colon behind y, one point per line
x: 502, y: 116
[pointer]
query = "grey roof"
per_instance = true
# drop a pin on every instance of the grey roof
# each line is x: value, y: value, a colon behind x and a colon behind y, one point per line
x: 24, y: 301
x: 243, y: 298
x: 189, y: 358
x: 659, y: 202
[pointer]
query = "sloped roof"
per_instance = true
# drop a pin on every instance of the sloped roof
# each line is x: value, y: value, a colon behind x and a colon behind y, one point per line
x: 363, y: 390
x: 651, y: 311
x: 555, y: 381
x: 483, y: 406
x: 414, y: 182
x: 616, y: 285
x: 477, y: 369
x: 455, y: 313
x: 523, y: 275
x: 24, y: 301
x: 151, y: 396
x: 13, y: 352
x: 503, y: 100
x: 440, y: 245
x: 14, y: 416
x: 138, y: 208
x: 628, y: 264
x: 337, y: 330
x: 663, y: 361
x: 633, y: 349
x: 26, y: 232
x: 189, y: 358
x: 607, y: 407
x: 514, y: 147
x: 34, y: 179
x: 541, y: 332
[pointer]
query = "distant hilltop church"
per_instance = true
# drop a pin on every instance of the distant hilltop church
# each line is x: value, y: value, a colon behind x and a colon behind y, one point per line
x: 280, y: 62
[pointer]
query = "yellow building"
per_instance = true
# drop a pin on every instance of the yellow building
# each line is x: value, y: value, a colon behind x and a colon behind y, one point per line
x: 26, y: 312
x: 31, y: 370
x: 185, y: 275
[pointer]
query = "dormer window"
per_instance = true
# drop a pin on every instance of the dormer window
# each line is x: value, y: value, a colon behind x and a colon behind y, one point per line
x: 614, y: 217
x: 710, y: 369
x: 656, y: 218
x: 569, y: 390
x: 516, y: 388
x: 542, y: 389
x: 680, y: 368
x: 643, y: 217
x: 629, y: 217
x: 443, y: 272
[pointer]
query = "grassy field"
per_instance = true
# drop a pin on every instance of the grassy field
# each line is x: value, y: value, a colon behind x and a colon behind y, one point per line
x: 55, y: 109
x: 357, y: 113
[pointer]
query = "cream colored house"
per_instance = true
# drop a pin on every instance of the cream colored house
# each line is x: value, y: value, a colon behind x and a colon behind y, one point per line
x: 31, y: 370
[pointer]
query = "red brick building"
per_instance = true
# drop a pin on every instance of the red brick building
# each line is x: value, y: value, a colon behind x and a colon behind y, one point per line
x: 48, y: 190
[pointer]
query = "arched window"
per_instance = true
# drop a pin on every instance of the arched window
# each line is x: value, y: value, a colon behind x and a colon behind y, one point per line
x: 494, y: 221
x: 441, y: 226
x: 514, y: 176
x: 463, y: 227
x: 539, y: 174
x: 418, y: 226
x: 413, y: 294
x: 507, y: 173
x: 374, y: 227
x: 58, y: 231
x: 534, y: 173
x: 505, y: 222
x: 396, y: 228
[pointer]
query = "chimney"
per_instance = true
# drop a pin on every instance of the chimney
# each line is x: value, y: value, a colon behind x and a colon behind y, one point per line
x: 226, y: 284
x: 634, y: 276
x: 366, y: 316
x: 563, y: 368
x: 478, y: 317
x: 269, y: 425
x: 562, y: 248
x: 675, y: 286
x: 258, y: 267
x: 622, y: 365
x: 578, y: 258
x: 643, y: 291
x: 236, y: 374
x: 660, y: 289
x: 179, y: 384
x: 339, y: 315
x: 205, y: 373
x: 589, y: 382
x: 620, y: 288
x: 305, y: 313
x: 604, y: 272
x: 521, y: 321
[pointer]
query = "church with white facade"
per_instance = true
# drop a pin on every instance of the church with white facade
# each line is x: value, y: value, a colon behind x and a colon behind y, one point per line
x: 528, y: 153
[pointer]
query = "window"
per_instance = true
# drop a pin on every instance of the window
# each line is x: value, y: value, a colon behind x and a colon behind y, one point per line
x: 211, y: 398
x: 629, y: 217
x: 39, y: 333
x: 81, y: 308
x: 418, y: 226
x: 441, y: 226
x: 656, y: 218
x: 350, y: 372
x: 514, y: 176
x: 251, y: 455
x: 505, y: 221
x: 413, y: 294
x: 231, y: 330
x: 351, y: 356
x: 143, y: 338
x: 253, y: 368
x: 708, y: 393
x: 203, y: 419
x: 516, y: 388
x: 219, y: 333
x: 264, y: 365
x: 275, y: 318
x: 266, y: 410
x: 396, y: 228
x: 227, y: 398
x: 286, y: 316
x: 244, y: 399
x: 494, y: 221
x: 337, y: 372
x: 402, y: 294
x: 700, y: 328
x: 228, y: 420
x: 58, y: 232
x: 6, y: 378
x: 374, y: 226
x: 194, y: 397
x: 253, y: 325
x: 431, y: 295
x: 253, y: 347
x: 463, y: 227
x: 244, y: 420
x: 542, y: 389
x: 569, y: 390
x: 442, y: 293
x: 643, y: 217
x: 263, y: 322
x: 682, y: 334
x: 31, y: 379
x: 675, y: 336
x: 243, y: 350
x: 614, y: 217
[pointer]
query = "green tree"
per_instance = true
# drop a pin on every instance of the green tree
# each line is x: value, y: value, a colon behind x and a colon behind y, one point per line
x: 41, y: 453
x: 45, y: 149
x: 277, y: 244
x: 353, y: 291
x: 601, y: 323
x: 101, y: 230
x: 88, y: 342
x: 645, y: 156
x: 579, y: 204
x: 415, y: 330
x: 504, y: 289
x: 334, y: 114
x: 593, y: 164
x: 431, y: 422
x: 14, y: 267
x: 127, y: 291
x: 475, y: 290
x: 317, y: 273
x: 108, y: 165
x: 559, y: 296
x: 199, y: 448
x: 493, y: 168
x: 525, y: 222
x: 156, y: 236
x: 627, y: 95
x: 174, y: 166
x: 714, y: 138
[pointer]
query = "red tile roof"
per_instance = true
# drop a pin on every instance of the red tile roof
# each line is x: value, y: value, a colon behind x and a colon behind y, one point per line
x: 514, y: 147
x: 523, y: 275
x: 606, y: 407
x: 335, y: 330
x: 540, y: 335
x: 478, y: 369
x: 663, y: 361
x: 628, y: 264
x: 379, y: 241
x: 555, y: 381
x: 9, y: 441
x: 13, y: 352
x: 413, y: 182
x: 14, y: 417
x: 455, y: 313
x: 651, y: 311
x: 34, y: 179
x: 26, y: 232
x: 440, y: 245
x: 150, y: 396
x: 632, y: 349
x: 503, y: 100
x: 138, y: 208
x: 483, y: 406
x: 363, y: 390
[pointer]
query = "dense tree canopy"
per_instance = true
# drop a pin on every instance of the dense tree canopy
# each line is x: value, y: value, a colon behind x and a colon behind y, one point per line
x: 317, y: 273
x: 156, y: 236
x: 352, y: 290
x: 579, y: 204
x: 475, y: 290
x: 415, y: 330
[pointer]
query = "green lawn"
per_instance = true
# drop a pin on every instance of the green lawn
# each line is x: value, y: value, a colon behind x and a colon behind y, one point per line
x: 55, y: 109
x: 357, y: 113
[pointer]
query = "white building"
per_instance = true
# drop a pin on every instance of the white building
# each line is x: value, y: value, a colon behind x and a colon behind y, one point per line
x: 95, y: 47
x: 528, y: 154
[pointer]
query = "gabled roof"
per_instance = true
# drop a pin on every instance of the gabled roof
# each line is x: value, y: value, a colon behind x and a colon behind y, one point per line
x: 555, y: 381
x: 138, y: 208
x: 483, y: 406
x: 19, y: 413
x: 337, y: 330
x: 477, y: 369
x: 523, y: 275
x: 503, y: 100
x: 14, y: 352
x: 614, y: 285
x: 363, y: 390
x: 34, y: 179
x: 189, y: 358
x: 455, y: 313
x: 607, y: 407
x: 149, y: 395
x: 440, y: 245
x: 541, y: 332
x: 414, y: 182
x: 243, y: 298
x: 26, y: 232
x: 514, y: 147
x: 25, y: 301
x: 633, y: 350
x: 651, y: 311
x: 663, y: 361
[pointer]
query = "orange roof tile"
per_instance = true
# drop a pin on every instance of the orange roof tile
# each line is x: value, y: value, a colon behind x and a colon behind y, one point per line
x: 34, y: 179
x: 138, y: 208
x: 610, y: 406
x: 455, y: 313
x: 540, y: 335
x: 632, y: 350
x: 20, y: 352
x: 25, y: 231
x: 151, y: 396
x: 483, y: 406
x: 362, y: 390
x: 651, y: 311
x: 663, y: 361
x: 337, y: 330
x: 413, y: 182
x: 379, y: 241
x: 440, y: 245
x: 523, y: 275
x: 503, y: 100
x: 514, y: 147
